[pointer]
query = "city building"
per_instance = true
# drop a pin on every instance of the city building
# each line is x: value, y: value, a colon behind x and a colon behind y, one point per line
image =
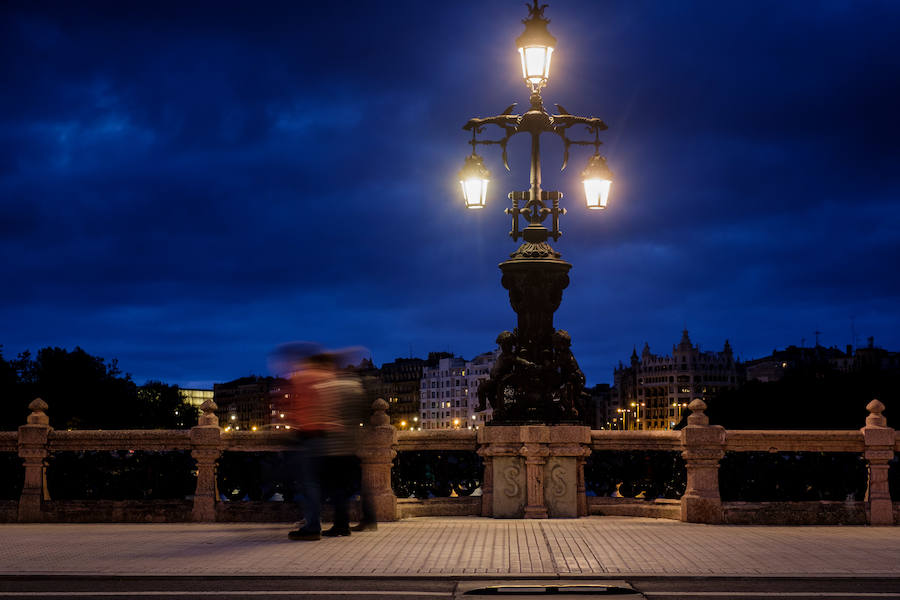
x: 868, y: 358
x: 398, y: 383
x: 601, y: 412
x: 449, y: 392
x: 246, y: 404
x: 654, y: 390
x: 195, y: 397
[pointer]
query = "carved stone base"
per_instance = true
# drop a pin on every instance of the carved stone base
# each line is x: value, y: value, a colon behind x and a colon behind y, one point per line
x: 535, y: 470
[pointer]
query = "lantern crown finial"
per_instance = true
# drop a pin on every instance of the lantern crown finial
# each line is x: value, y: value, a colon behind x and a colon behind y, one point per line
x: 536, y: 11
x: 536, y: 33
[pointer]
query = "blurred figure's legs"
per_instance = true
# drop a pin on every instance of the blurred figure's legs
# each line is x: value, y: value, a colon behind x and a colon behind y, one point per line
x: 339, y: 476
x: 310, y: 466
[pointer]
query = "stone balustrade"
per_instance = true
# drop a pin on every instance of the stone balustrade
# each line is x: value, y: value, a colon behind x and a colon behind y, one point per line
x: 530, y: 471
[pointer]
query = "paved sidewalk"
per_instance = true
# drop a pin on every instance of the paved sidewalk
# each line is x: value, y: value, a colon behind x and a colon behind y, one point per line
x: 459, y: 546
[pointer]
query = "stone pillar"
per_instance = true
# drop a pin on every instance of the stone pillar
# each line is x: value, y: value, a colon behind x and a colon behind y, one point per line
x: 533, y: 471
x: 33, y: 451
x: 535, y: 454
x: 376, y: 449
x: 703, y: 447
x: 206, y: 449
x: 879, y: 440
x: 564, y: 489
x: 487, y: 485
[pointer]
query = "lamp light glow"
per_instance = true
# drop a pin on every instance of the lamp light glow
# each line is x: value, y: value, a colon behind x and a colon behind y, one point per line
x: 474, y: 178
x: 597, y: 180
x: 536, y: 64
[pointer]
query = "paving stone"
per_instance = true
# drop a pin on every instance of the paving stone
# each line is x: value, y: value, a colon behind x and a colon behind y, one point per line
x: 452, y: 546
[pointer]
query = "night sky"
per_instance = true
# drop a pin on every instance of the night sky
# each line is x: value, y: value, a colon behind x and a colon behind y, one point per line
x: 184, y: 186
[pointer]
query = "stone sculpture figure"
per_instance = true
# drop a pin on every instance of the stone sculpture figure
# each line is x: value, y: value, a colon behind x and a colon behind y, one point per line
x: 570, y: 379
x: 508, y: 364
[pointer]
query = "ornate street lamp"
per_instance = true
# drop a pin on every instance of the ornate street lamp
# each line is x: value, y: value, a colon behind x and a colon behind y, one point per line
x: 536, y: 379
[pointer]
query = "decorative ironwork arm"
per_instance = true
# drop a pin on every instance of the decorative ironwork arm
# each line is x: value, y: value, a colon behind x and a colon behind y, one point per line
x: 532, y: 204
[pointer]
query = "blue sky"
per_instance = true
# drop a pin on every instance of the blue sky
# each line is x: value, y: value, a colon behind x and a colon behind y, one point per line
x: 184, y: 186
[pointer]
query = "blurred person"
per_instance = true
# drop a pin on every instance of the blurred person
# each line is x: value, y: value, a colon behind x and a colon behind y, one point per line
x: 340, y: 465
x: 310, y: 420
x: 324, y: 408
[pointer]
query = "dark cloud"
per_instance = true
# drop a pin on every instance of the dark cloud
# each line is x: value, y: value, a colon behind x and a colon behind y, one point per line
x: 185, y: 185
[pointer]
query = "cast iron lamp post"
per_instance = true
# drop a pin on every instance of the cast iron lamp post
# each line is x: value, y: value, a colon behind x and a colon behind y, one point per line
x: 536, y: 379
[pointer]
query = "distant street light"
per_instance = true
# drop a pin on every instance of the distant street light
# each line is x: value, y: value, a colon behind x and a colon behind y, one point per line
x: 537, y: 378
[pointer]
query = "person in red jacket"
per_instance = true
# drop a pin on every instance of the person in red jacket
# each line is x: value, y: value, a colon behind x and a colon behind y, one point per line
x: 324, y: 408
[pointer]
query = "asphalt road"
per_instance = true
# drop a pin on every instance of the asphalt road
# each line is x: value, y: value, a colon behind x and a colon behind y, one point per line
x: 281, y: 588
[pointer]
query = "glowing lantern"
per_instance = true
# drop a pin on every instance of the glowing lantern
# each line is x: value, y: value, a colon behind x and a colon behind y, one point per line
x: 597, y: 181
x: 535, y: 47
x: 474, y: 178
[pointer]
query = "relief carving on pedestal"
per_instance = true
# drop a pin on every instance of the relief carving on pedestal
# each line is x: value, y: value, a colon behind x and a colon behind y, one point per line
x: 509, y: 487
x: 511, y: 475
x: 560, y: 493
x: 558, y: 480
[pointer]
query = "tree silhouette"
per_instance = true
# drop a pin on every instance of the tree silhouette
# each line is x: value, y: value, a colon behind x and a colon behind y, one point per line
x: 86, y: 392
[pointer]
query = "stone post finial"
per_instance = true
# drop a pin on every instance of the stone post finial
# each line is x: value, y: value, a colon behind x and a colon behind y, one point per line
x: 875, y: 418
x: 379, y: 414
x: 697, y: 416
x: 208, y: 414
x: 38, y: 415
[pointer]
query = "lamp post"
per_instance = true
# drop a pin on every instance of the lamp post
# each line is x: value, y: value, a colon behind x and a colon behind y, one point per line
x: 536, y: 379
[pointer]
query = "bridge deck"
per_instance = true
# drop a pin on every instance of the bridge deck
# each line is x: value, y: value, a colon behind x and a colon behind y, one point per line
x: 464, y: 546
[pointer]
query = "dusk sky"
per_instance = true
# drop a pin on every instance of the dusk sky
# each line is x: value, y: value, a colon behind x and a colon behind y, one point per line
x: 184, y: 186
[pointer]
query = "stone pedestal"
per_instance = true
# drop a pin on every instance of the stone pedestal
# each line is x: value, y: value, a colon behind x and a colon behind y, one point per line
x: 206, y: 449
x: 534, y: 471
x: 880, y: 443
x: 704, y: 447
x: 33, y: 452
x: 376, y: 450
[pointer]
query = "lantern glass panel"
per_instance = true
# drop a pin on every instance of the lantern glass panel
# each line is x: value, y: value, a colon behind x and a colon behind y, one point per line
x: 474, y: 192
x: 596, y: 193
x: 536, y: 63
